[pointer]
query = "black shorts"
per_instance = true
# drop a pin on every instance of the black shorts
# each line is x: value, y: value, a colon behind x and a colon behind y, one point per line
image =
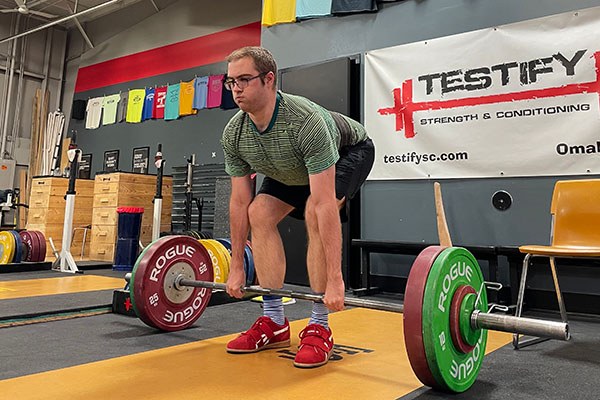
x: 351, y: 171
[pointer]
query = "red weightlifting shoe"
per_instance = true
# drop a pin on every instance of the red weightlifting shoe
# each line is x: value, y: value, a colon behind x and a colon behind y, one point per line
x: 316, y: 346
x: 263, y: 334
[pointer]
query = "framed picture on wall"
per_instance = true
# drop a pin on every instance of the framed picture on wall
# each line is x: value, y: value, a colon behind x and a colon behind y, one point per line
x: 140, y: 159
x: 85, y: 167
x: 111, y: 161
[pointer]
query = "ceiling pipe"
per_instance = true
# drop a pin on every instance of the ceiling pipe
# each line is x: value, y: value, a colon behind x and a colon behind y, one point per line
x: 155, y: 6
x: 81, y: 30
x: 60, y: 21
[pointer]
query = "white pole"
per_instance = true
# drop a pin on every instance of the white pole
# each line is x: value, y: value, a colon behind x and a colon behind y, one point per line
x: 67, y: 263
x: 156, y: 219
x: 9, y: 91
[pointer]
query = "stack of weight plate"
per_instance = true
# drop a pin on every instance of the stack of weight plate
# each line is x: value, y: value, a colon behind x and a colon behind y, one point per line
x: 18, y: 247
x: 220, y: 254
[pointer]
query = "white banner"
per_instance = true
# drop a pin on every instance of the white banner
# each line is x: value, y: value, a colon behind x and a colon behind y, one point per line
x: 515, y: 100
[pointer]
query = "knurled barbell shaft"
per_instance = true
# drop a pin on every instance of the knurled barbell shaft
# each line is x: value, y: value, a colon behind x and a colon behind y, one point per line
x: 375, y: 305
x: 479, y: 319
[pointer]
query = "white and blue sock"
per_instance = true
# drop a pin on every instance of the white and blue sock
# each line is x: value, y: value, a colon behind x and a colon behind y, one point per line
x: 273, y: 308
x: 320, y: 315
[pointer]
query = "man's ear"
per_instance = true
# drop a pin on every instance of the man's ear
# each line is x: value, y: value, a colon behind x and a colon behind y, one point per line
x: 270, y: 78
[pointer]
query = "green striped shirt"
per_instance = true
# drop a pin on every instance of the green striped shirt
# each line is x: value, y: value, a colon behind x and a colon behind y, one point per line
x: 303, y: 140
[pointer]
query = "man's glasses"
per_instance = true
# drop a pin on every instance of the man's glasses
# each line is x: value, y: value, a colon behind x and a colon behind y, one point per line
x: 242, y: 83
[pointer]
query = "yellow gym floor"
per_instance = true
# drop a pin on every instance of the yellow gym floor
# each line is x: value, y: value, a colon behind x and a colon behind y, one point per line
x: 52, y: 286
x: 370, y: 362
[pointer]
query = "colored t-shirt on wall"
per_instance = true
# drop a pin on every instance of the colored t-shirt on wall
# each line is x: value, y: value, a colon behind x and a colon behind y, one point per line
x: 148, y: 105
x: 135, y: 105
x: 160, y: 96
x: 122, y: 108
x: 200, y: 92
x: 109, y: 109
x: 186, y: 98
x: 312, y: 8
x: 215, y: 87
x: 278, y: 12
x: 172, y: 102
x: 352, y: 6
x: 227, y: 102
x: 94, y: 111
x: 78, y: 110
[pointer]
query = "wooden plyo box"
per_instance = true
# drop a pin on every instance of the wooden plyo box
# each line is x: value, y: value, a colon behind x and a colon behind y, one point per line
x: 122, y: 189
x: 47, y: 211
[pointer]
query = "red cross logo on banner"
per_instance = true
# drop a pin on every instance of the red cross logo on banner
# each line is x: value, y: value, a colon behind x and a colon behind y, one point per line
x: 404, y: 107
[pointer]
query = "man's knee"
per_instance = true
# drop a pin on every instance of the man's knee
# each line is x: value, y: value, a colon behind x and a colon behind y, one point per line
x: 266, y: 213
x: 257, y: 215
x: 310, y: 212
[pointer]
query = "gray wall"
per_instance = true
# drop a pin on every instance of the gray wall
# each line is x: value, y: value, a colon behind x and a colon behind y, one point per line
x: 404, y: 210
x: 104, y: 33
x: 179, y: 21
x: 399, y: 23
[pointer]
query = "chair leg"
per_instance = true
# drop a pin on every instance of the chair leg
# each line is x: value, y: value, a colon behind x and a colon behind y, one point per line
x: 521, y: 296
x: 561, y: 304
x: 517, y: 343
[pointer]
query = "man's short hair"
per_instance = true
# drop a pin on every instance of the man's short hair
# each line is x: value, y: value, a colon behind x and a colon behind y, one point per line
x: 263, y: 59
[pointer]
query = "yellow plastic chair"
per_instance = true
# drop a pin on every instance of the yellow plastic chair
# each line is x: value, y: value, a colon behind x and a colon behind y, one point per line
x: 575, y: 213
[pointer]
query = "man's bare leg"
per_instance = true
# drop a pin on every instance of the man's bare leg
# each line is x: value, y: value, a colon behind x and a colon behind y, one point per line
x: 265, y: 213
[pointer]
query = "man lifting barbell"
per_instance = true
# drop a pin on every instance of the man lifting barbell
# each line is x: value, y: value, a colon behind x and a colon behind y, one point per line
x: 445, y: 306
x: 314, y: 161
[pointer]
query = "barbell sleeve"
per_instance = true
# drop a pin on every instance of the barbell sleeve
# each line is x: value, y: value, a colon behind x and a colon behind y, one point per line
x: 525, y: 326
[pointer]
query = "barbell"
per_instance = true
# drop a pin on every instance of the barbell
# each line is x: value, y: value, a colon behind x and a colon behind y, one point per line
x: 445, y: 308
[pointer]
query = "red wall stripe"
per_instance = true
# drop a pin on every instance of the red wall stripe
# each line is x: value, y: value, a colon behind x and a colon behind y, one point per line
x: 191, y: 53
